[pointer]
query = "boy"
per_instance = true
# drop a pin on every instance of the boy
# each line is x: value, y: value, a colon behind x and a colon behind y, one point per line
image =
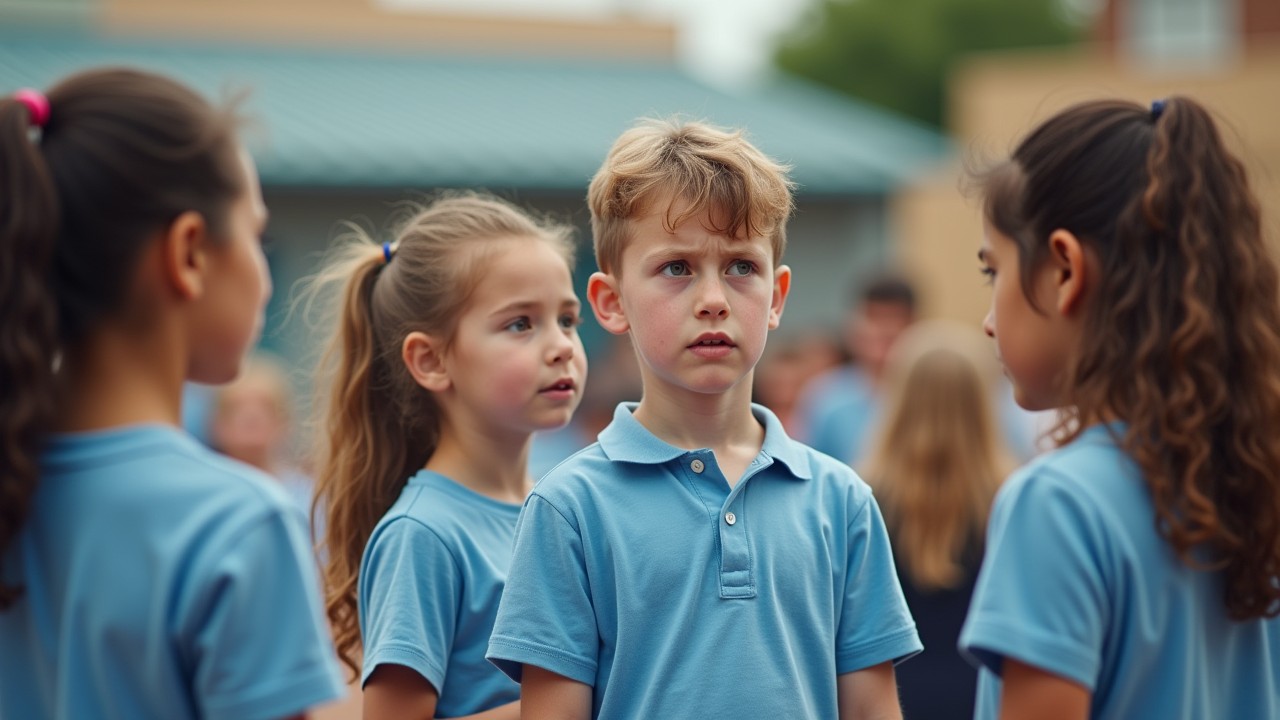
x: 696, y: 562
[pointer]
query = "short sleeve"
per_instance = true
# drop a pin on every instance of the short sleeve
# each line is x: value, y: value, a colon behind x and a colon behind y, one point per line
x: 1041, y: 594
x: 546, y: 617
x: 410, y: 593
x: 875, y: 625
x: 261, y: 646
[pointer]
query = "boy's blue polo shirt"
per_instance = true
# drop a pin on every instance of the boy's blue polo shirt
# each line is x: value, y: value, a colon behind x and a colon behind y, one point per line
x: 639, y: 571
x: 1077, y: 581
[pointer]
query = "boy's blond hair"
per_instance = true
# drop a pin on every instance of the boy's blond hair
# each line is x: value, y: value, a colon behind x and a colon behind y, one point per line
x: 743, y: 191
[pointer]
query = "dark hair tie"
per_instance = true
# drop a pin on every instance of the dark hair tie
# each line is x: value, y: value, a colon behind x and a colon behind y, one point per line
x: 1157, y: 109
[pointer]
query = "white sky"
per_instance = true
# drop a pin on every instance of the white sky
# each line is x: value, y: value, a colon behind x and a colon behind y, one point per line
x: 727, y: 42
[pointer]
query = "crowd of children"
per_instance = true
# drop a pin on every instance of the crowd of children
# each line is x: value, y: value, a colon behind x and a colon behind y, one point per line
x: 693, y: 560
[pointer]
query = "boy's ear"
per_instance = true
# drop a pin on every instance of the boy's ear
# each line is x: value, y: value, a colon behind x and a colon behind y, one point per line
x: 606, y: 302
x: 781, y: 286
x: 423, y: 355
x: 184, y: 253
x: 1067, y: 262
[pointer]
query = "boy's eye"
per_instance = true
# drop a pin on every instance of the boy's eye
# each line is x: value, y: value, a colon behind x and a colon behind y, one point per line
x: 570, y: 320
x: 519, y: 325
x: 742, y: 267
x: 678, y: 268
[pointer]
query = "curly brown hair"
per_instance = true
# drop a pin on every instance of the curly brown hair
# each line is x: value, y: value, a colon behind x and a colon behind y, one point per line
x: 1182, y: 329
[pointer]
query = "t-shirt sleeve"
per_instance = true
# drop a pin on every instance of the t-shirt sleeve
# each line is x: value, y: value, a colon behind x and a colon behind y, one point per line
x: 546, y: 618
x: 1041, y: 594
x: 261, y: 648
x: 875, y: 625
x: 410, y: 593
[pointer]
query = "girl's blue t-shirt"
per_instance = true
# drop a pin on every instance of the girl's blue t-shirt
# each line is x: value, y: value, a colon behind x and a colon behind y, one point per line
x: 430, y: 580
x: 160, y: 581
x: 1078, y: 582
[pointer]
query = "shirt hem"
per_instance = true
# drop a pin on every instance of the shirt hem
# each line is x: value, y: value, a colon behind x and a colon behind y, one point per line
x: 987, y: 643
x: 897, y: 647
x: 509, y: 655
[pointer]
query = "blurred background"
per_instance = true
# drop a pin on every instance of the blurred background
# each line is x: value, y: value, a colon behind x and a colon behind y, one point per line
x: 878, y: 105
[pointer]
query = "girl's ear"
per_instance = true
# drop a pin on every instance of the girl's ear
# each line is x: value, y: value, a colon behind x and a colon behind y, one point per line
x: 606, y: 302
x: 1068, y: 262
x: 423, y: 355
x: 184, y: 253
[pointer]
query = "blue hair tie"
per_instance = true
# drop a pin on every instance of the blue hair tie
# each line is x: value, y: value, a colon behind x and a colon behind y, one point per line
x: 1157, y: 109
x: 386, y: 253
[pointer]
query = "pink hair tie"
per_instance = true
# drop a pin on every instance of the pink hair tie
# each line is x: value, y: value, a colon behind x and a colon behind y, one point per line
x: 37, y: 105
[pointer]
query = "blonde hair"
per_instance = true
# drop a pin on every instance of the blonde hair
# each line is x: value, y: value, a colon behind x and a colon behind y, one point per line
x: 715, y: 171
x: 938, y: 459
x: 377, y: 426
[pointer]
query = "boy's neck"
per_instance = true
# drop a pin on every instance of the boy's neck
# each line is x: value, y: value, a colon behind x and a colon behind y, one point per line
x: 724, y: 422
x: 494, y: 466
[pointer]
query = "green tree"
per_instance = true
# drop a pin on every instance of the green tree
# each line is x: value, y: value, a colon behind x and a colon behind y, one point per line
x: 897, y: 53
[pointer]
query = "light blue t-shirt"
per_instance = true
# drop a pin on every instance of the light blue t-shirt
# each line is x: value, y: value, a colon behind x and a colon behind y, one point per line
x: 639, y: 571
x: 430, y: 580
x: 162, y: 581
x: 1077, y: 582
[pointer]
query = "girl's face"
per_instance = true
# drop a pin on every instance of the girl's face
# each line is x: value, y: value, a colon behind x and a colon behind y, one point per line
x: 237, y: 288
x: 516, y: 363
x: 1032, y: 344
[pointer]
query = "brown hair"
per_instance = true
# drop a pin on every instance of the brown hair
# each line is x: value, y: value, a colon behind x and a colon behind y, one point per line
x: 938, y: 459
x: 713, y: 170
x: 1182, y: 328
x: 123, y: 153
x: 378, y: 427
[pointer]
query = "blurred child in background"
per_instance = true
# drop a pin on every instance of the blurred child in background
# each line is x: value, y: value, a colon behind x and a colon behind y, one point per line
x: 935, y: 465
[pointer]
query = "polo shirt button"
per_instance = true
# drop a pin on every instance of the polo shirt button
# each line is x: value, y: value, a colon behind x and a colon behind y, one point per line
x: 730, y: 518
x: 697, y: 465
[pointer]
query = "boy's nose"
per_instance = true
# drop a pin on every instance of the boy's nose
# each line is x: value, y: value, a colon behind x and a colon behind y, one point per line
x: 712, y: 301
x: 561, y: 349
x: 989, y: 324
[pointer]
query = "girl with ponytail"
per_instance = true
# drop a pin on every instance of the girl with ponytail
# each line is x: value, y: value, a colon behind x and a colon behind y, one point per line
x: 452, y: 346
x: 141, y: 575
x: 1134, y: 571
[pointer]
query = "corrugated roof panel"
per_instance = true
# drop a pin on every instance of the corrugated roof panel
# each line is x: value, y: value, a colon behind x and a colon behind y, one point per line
x: 351, y: 119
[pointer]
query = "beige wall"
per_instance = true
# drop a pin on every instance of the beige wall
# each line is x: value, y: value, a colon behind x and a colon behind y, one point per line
x: 363, y: 22
x: 998, y: 98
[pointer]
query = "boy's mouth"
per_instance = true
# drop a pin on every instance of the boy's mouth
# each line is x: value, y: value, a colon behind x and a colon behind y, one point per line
x: 713, y: 340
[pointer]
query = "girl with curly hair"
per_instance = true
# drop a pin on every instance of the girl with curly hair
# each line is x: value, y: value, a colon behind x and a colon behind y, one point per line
x: 1135, y: 570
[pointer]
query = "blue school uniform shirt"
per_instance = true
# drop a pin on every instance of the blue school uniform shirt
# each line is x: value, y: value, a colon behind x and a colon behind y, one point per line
x: 430, y: 580
x: 1078, y: 582
x: 639, y: 571
x: 161, y: 581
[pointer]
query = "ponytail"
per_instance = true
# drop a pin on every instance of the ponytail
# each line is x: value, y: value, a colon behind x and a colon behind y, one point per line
x: 1215, y: 463
x: 1182, y: 338
x: 28, y: 324
x: 375, y: 432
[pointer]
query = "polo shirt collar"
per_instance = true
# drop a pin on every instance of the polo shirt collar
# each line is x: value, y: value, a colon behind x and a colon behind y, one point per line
x: 626, y: 440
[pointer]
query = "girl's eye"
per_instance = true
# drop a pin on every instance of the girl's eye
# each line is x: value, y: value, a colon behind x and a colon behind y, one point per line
x: 742, y: 267
x: 519, y: 325
x: 570, y: 320
x: 988, y: 273
x: 677, y: 268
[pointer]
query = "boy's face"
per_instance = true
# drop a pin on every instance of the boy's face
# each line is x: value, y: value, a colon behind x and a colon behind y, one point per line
x: 698, y: 305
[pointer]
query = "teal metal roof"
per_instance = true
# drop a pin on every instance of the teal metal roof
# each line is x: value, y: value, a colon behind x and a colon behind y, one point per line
x: 342, y: 118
